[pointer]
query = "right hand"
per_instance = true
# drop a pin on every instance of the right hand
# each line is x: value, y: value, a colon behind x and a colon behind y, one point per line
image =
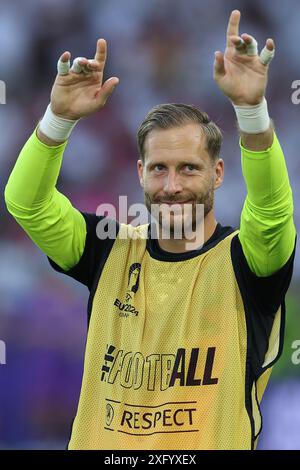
x: 76, y: 95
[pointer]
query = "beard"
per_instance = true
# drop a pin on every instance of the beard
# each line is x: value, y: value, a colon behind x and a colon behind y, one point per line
x: 188, y: 220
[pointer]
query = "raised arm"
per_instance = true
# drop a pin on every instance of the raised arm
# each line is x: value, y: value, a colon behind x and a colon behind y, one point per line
x: 31, y: 197
x: 267, y: 231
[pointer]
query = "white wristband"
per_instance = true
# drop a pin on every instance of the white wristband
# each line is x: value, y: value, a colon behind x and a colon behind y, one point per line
x: 55, y: 127
x: 253, y: 119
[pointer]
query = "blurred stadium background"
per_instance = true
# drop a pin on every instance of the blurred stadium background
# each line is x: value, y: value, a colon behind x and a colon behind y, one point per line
x: 162, y: 51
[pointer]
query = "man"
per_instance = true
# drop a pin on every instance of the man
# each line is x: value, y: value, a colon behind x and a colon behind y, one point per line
x: 181, y: 342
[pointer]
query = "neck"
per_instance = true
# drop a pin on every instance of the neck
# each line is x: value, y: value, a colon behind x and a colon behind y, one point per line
x: 180, y: 246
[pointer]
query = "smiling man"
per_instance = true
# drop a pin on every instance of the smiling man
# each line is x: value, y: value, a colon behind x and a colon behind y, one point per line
x: 181, y: 342
x: 180, y: 168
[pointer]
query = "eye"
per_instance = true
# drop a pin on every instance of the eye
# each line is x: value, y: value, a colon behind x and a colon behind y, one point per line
x: 190, y: 167
x: 159, y: 167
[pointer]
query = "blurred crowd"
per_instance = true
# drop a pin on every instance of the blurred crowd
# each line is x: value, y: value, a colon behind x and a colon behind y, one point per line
x: 162, y: 51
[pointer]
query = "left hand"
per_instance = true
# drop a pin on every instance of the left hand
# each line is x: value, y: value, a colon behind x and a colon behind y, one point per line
x: 241, y: 77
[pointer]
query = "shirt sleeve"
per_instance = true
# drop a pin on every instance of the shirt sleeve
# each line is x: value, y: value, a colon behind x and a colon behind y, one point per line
x: 45, y: 214
x: 96, y: 250
x: 267, y: 230
x: 66, y: 235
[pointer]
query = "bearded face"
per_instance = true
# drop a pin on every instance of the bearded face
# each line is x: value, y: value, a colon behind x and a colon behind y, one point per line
x: 179, y: 178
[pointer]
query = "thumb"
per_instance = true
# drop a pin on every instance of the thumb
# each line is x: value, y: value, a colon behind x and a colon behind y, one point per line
x: 219, y: 68
x: 107, y: 89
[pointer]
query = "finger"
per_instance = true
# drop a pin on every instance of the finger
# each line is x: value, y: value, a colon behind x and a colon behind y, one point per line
x: 63, y: 64
x: 219, y: 67
x: 268, y: 52
x: 101, y: 52
x: 233, y: 25
x: 270, y: 44
x: 251, y: 44
x: 93, y: 65
x: 238, y: 43
x: 106, y: 90
x: 78, y: 65
x: 88, y: 65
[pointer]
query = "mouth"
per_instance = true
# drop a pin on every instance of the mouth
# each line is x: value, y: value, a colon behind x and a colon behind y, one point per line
x: 172, y: 203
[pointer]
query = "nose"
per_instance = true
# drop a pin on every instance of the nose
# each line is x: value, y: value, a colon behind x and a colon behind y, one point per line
x: 172, y: 184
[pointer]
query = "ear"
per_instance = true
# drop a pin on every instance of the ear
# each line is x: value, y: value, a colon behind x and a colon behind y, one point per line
x: 140, y: 169
x: 219, y: 173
